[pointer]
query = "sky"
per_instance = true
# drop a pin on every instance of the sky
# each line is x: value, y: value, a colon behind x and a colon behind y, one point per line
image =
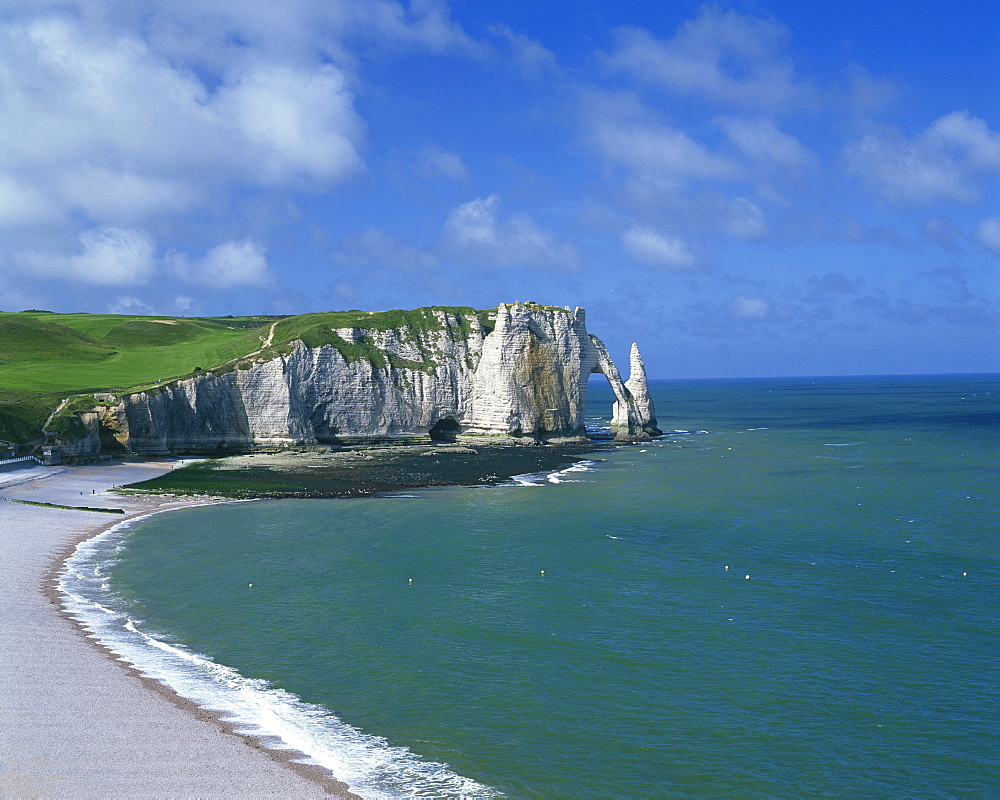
x: 745, y: 189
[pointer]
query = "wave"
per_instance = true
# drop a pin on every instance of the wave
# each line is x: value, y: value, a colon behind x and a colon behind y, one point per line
x: 370, y: 764
x: 554, y: 476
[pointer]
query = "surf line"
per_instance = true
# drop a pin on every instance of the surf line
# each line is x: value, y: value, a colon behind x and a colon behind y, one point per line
x: 305, y: 736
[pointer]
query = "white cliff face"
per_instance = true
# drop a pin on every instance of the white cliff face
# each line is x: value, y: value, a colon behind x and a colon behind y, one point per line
x: 526, y: 378
x: 532, y: 376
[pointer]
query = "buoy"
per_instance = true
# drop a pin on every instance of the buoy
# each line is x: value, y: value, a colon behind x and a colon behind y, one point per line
x: 250, y: 585
x: 411, y: 580
x: 964, y: 574
x: 727, y: 568
x: 747, y: 578
x: 543, y: 572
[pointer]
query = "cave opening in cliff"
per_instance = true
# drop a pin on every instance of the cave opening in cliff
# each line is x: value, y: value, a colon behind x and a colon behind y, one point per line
x: 110, y: 442
x: 445, y: 430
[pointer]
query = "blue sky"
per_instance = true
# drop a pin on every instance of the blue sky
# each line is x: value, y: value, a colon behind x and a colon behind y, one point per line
x: 756, y: 188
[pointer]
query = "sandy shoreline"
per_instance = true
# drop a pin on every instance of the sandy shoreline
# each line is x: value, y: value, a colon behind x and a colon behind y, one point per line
x: 75, y: 721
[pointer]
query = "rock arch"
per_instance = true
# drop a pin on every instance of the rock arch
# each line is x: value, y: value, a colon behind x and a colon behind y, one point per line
x: 531, y: 380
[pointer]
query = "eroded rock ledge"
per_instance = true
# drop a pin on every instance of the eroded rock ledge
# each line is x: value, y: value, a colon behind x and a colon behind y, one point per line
x: 525, y: 380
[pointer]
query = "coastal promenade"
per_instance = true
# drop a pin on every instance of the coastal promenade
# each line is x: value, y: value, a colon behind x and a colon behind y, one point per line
x: 74, y: 722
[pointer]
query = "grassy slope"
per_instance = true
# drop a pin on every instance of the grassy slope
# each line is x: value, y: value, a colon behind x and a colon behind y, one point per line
x: 45, y: 357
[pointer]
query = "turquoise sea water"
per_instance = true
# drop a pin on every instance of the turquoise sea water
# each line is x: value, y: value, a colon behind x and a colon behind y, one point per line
x: 797, y: 594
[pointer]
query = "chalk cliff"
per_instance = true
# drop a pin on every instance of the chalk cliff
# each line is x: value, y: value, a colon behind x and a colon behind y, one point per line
x: 519, y: 372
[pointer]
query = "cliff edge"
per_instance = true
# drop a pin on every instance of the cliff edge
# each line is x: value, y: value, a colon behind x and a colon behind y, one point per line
x: 519, y: 372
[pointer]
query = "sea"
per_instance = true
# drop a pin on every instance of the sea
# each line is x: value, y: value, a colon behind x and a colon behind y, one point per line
x: 794, y: 591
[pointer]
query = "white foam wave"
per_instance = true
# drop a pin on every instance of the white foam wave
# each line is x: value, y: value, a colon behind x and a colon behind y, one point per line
x: 562, y: 475
x: 369, y: 764
x: 555, y: 476
x: 527, y: 479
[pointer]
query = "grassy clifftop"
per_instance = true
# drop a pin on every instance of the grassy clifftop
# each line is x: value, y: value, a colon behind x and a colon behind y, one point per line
x: 46, y: 358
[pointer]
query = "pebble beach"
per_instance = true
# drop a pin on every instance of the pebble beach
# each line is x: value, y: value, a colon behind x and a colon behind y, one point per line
x: 74, y: 721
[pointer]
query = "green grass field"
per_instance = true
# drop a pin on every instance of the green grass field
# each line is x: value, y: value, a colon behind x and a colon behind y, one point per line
x: 47, y: 357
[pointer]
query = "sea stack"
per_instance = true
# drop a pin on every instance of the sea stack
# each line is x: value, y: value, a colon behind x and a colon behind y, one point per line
x: 634, y: 417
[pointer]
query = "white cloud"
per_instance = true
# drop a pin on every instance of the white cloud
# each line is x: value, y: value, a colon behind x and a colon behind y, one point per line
x: 906, y: 172
x: 745, y: 220
x: 762, y: 141
x: 293, y: 123
x: 105, y: 256
x: 474, y: 222
x: 433, y: 162
x: 99, y: 122
x: 749, y: 307
x: 968, y: 137
x: 226, y: 265
x: 719, y: 56
x: 122, y: 197
x: 24, y: 205
x: 127, y: 304
x: 867, y: 93
x: 532, y: 59
x: 217, y: 33
x: 476, y: 230
x: 988, y: 234
x: 944, y: 162
x: 115, y: 257
x: 110, y: 124
x: 628, y: 135
x: 649, y: 247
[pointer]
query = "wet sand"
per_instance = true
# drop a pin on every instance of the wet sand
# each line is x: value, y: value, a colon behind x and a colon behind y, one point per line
x: 76, y: 722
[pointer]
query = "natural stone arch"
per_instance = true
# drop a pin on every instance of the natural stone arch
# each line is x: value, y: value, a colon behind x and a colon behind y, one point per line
x: 531, y: 380
x: 632, y: 416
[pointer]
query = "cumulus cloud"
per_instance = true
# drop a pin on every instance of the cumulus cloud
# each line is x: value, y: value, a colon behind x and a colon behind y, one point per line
x: 105, y: 136
x: 476, y: 230
x: 106, y: 256
x: 719, y: 56
x: 234, y: 263
x: 968, y: 137
x: 628, y: 135
x: 649, y: 247
x: 292, y: 123
x: 944, y: 162
x: 988, y: 234
x: 118, y: 119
